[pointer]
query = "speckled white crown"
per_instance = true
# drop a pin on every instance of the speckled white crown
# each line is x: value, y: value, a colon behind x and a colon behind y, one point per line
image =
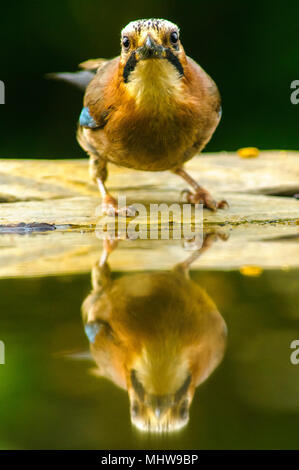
x: 152, y: 23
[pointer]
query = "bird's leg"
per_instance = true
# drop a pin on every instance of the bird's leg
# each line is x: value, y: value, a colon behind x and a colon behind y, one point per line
x: 98, y: 172
x: 100, y: 280
x: 200, y: 194
x: 208, y: 240
x: 100, y: 274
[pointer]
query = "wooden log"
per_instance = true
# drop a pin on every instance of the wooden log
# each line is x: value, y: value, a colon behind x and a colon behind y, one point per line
x: 272, y: 172
x: 272, y: 246
x: 58, y: 209
x: 69, y: 212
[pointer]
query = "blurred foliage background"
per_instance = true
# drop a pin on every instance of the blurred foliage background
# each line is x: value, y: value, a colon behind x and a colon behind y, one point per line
x: 51, y: 400
x: 249, y: 48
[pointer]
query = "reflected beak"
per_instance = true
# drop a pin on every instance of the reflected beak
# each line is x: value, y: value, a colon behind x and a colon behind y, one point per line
x: 150, y: 50
x: 159, y: 405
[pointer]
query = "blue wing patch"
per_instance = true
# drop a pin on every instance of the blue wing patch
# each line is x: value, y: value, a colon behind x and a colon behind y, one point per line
x: 86, y: 120
x: 220, y: 113
x: 91, y: 330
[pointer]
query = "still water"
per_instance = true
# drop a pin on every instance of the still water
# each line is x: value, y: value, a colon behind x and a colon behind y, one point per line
x: 106, y: 359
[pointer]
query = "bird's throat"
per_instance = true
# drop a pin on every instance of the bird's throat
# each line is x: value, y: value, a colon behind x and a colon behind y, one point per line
x: 161, y: 371
x: 155, y: 84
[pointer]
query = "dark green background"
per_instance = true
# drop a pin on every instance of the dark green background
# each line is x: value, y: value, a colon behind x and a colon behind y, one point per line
x: 249, y: 48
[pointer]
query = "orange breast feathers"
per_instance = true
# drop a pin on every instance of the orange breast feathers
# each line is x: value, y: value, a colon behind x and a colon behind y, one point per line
x: 151, y: 121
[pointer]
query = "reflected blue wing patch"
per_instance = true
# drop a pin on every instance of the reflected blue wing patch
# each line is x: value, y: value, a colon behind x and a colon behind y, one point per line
x: 91, y: 330
x: 86, y: 120
x: 220, y: 113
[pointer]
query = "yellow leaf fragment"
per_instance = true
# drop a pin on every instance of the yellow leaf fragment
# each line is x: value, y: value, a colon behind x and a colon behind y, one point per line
x: 252, y: 271
x: 248, y: 152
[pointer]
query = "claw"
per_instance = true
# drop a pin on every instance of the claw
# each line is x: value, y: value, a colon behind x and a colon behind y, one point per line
x: 185, y: 193
x: 128, y: 211
x: 109, y: 245
x: 110, y: 208
x: 222, y: 204
x: 203, y: 197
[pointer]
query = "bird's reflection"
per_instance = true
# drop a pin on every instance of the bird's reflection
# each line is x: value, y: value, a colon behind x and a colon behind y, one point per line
x: 157, y: 335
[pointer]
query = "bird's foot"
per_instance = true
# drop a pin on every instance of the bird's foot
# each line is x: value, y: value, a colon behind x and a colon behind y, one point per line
x: 111, y: 208
x: 199, y: 246
x: 205, y: 242
x: 202, y: 196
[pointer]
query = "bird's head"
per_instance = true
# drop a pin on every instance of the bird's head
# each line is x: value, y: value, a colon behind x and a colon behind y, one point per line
x: 158, y: 336
x: 160, y: 412
x: 151, y: 53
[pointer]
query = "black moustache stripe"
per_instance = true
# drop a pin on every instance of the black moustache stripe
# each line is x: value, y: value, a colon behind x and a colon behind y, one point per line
x: 138, y: 387
x: 174, y: 61
x: 132, y: 62
x: 183, y: 390
x: 129, y: 67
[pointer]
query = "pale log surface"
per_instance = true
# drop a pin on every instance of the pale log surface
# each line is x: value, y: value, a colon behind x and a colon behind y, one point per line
x: 263, y: 227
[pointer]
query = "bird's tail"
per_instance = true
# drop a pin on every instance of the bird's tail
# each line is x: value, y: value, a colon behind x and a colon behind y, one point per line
x: 78, y: 79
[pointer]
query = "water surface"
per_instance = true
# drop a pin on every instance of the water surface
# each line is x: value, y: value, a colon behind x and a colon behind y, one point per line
x: 51, y: 397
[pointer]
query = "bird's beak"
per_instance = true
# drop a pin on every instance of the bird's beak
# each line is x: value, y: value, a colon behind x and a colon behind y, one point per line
x: 150, y: 50
x: 159, y: 405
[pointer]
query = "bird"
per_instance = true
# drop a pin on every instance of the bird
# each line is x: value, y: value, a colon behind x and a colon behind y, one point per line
x: 152, y: 108
x: 157, y: 335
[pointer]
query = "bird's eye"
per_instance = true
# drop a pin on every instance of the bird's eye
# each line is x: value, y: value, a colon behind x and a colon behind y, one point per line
x: 174, y: 37
x: 184, y: 410
x: 135, y: 409
x: 126, y: 42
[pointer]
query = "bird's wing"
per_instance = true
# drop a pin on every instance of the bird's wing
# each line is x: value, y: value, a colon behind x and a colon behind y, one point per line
x: 93, y: 64
x: 201, y: 83
x: 96, y: 102
x: 204, y: 90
